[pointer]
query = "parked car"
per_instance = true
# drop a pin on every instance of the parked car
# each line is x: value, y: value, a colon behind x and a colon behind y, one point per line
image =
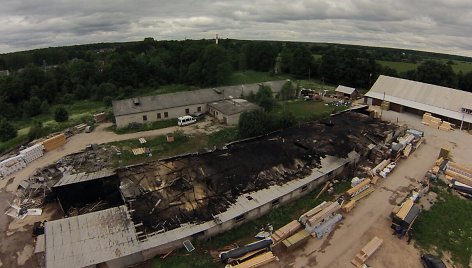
x: 431, y: 261
x: 185, y: 120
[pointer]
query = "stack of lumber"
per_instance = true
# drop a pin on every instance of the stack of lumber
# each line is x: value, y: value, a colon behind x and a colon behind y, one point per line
x: 460, y: 173
x: 310, y: 213
x: 379, y: 167
x: 296, y: 239
x: 446, y: 126
x: 54, y: 142
x: 32, y: 153
x: 324, y: 214
x: 358, y: 188
x: 407, y: 150
x: 349, y: 206
x: 80, y: 128
x: 257, y: 261
x: 404, y: 209
x: 100, y: 117
x: 138, y: 151
x: 286, y: 231
x: 367, y: 251
x: 431, y: 121
x: 385, y: 105
x: 12, y: 165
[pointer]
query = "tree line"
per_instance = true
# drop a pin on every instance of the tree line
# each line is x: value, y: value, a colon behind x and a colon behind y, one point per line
x: 103, y: 72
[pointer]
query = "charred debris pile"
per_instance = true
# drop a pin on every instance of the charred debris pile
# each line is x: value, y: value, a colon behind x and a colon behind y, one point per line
x: 190, y: 189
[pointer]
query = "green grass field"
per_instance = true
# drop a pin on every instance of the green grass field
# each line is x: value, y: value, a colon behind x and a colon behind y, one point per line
x: 305, y: 110
x: 399, y: 66
x: 315, y: 85
x: 447, y: 227
x: 249, y: 77
x: 407, y: 66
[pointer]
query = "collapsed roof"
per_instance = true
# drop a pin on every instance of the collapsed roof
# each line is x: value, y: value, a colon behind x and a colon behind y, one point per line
x: 194, y: 188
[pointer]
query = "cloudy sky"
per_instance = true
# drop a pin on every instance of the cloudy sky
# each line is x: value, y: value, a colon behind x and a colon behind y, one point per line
x: 432, y: 25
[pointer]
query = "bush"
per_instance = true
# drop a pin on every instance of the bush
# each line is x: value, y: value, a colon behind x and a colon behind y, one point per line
x: 254, y: 123
x: 7, y: 131
x: 61, y: 114
x: 35, y: 131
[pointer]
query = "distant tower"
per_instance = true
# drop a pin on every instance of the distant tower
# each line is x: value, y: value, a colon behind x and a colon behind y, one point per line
x: 216, y: 39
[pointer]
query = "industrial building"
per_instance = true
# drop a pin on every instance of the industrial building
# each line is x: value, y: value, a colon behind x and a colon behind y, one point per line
x: 403, y: 95
x: 199, y: 195
x: 346, y: 92
x: 166, y: 106
x: 229, y: 111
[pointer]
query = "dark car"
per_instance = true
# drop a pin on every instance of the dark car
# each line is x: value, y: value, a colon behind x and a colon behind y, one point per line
x: 431, y: 261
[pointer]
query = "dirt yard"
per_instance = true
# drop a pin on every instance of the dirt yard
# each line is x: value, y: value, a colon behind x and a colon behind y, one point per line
x: 371, y: 216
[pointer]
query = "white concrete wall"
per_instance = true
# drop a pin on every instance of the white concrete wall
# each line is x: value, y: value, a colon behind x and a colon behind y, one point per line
x: 125, y: 120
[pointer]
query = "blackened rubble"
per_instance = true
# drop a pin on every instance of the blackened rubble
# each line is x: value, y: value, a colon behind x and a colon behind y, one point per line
x: 191, y: 189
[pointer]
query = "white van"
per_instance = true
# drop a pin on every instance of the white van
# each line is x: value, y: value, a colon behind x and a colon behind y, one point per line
x: 185, y: 120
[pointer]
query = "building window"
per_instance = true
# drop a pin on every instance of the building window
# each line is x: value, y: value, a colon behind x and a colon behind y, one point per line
x: 240, y: 218
x: 276, y: 202
x: 144, y: 117
x: 166, y: 114
x: 187, y: 111
x: 304, y: 188
x: 199, y: 109
x: 158, y: 115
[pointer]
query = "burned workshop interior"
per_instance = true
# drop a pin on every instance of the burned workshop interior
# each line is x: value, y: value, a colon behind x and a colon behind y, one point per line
x: 86, y: 192
x: 166, y: 194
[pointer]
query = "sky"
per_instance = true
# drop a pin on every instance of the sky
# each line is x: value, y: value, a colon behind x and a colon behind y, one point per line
x: 432, y: 25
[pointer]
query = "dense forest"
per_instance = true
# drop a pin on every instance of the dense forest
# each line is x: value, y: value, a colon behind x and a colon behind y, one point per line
x: 44, y: 77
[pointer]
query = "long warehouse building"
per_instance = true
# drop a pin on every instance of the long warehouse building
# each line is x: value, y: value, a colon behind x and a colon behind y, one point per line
x: 404, y: 95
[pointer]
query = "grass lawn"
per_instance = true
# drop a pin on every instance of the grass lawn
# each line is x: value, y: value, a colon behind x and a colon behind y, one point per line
x: 244, y: 234
x: 315, y: 85
x: 249, y: 77
x: 146, y: 127
x: 407, y: 66
x: 399, y: 66
x: 305, y: 110
x: 446, y: 227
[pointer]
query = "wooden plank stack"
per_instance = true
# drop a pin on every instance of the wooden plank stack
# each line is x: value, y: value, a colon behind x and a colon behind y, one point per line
x: 367, y: 251
x: 54, y: 142
x: 385, y: 105
x: 431, y: 121
x: 446, y: 126
x: 257, y: 261
x: 286, y: 231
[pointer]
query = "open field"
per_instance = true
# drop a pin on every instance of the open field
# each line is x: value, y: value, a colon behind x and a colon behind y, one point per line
x: 315, y: 85
x: 249, y: 77
x: 458, y: 66
x: 399, y: 66
x: 305, y: 110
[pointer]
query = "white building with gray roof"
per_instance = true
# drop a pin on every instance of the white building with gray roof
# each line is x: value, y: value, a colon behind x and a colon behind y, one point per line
x: 166, y: 106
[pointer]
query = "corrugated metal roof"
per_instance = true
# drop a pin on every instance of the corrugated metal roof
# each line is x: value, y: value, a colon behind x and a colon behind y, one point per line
x: 179, y: 99
x: 90, y: 239
x: 426, y: 97
x: 82, y: 177
x: 345, y: 90
x: 229, y: 107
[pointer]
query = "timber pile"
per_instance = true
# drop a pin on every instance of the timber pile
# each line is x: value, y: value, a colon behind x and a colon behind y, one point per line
x: 367, y: 251
x: 257, y: 261
x: 385, y: 105
x: 54, y: 142
x: 460, y: 173
x: 437, y: 123
x: 445, y: 126
x: 286, y: 231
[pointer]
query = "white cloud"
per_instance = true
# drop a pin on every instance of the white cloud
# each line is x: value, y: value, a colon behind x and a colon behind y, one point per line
x: 440, y: 25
